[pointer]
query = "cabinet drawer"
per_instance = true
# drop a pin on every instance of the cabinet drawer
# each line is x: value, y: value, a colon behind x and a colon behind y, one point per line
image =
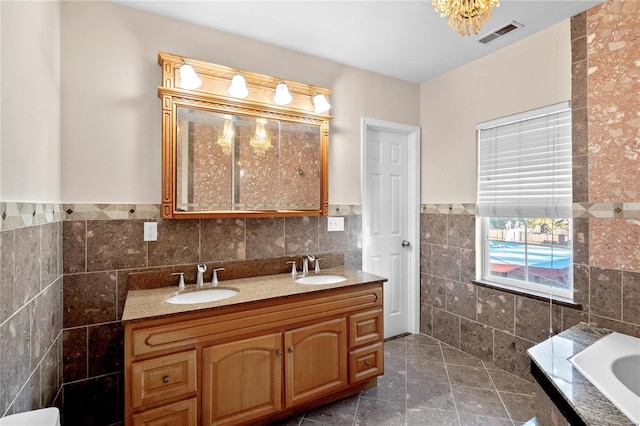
x: 157, y: 379
x: 366, y: 363
x: 182, y: 413
x: 365, y: 328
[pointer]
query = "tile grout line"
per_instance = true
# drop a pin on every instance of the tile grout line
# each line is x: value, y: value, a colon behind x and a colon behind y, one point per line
x: 499, y: 396
x: 446, y: 369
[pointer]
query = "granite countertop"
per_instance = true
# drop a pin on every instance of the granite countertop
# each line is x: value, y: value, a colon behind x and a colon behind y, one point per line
x: 551, y: 357
x: 151, y: 304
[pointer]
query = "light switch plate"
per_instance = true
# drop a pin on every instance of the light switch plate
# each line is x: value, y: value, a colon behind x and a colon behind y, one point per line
x: 151, y: 231
x: 335, y: 223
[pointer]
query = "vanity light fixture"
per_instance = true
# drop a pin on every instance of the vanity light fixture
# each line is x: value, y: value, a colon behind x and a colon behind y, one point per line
x: 282, y: 96
x: 226, y: 139
x: 260, y: 142
x: 321, y: 104
x: 238, y: 88
x: 188, y: 78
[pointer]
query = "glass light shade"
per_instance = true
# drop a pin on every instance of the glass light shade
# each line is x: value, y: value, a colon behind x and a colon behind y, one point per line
x: 188, y: 78
x: 238, y: 88
x: 282, y: 96
x: 321, y: 104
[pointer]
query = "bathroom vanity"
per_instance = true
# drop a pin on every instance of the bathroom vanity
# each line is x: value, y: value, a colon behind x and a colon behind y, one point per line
x: 274, y: 349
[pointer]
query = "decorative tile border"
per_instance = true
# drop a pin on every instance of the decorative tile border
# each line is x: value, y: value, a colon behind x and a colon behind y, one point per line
x: 111, y: 211
x: 152, y: 211
x: 454, y: 208
x: 580, y: 210
x: 607, y: 210
x: 18, y: 215
x: 345, y: 209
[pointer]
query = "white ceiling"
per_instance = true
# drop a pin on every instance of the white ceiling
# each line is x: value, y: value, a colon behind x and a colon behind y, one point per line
x: 403, y: 39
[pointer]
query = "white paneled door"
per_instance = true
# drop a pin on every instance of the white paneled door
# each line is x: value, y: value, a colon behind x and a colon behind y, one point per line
x: 391, y: 211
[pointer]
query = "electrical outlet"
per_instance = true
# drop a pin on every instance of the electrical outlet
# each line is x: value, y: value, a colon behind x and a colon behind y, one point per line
x: 335, y: 223
x: 151, y: 231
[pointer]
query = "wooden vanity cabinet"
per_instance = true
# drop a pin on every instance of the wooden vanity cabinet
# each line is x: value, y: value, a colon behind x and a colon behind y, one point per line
x: 316, y: 360
x: 242, y: 380
x: 237, y: 366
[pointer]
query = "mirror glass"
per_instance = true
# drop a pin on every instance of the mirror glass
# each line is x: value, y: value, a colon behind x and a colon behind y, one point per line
x: 230, y: 162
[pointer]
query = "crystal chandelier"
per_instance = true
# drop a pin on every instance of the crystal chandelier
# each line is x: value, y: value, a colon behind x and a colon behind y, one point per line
x: 226, y: 139
x: 260, y: 142
x: 466, y: 16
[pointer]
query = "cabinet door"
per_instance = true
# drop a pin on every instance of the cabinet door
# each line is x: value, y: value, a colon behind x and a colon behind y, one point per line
x: 183, y: 413
x: 316, y: 360
x: 242, y: 380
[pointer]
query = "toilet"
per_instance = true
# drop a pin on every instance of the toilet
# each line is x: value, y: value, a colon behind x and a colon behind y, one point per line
x: 43, y: 417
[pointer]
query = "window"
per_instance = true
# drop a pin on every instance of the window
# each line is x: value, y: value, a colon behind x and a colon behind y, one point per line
x: 524, y: 200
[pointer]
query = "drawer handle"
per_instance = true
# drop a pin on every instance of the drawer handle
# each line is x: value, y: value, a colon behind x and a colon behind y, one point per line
x: 367, y: 363
x: 278, y: 352
x: 165, y: 379
x: 290, y: 350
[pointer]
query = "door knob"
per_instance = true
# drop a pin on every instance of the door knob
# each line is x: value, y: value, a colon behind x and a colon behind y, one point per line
x: 406, y: 243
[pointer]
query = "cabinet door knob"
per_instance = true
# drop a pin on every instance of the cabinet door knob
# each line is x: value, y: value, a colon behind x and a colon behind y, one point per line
x: 278, y: 352
x: 165, y: 379
x: 290, y: 350
x: 367, y: 363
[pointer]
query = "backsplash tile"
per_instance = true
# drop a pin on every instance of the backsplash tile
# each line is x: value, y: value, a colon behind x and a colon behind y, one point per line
x: 180, y: 243
x: 265, y: 238
x: 301, y: 235
x: 222, y: 239
x: 116, y: 244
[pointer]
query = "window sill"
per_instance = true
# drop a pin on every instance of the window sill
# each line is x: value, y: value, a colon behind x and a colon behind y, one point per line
x: 556, y: 300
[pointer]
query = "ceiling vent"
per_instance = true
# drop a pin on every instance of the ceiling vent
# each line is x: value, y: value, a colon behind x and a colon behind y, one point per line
x: 500, y: 32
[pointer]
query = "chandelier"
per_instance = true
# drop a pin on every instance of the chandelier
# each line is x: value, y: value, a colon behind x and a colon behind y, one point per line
x: 260, y: 142
x: 226, y: 139
x: 466, y: 16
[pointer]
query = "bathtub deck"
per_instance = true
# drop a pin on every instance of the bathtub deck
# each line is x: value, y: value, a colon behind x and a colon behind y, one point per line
x: 573, y: 394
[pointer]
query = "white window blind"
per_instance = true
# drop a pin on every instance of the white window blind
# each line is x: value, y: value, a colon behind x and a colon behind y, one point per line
x: 524, y: 164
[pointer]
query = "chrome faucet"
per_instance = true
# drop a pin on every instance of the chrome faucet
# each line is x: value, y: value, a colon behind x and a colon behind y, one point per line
x: 200, y: 278
x: 214, y: 278
x: 305, y: 263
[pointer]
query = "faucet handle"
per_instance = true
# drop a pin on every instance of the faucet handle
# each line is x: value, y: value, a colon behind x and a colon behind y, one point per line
x: 181, y: 280
x: 294, y: 270
x: 317, y: 264
x: 214, y: 278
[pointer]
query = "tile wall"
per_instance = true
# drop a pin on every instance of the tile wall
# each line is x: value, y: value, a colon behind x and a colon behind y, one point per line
x: 30, y: 306
x: 100, y: 253
x: 498, y: 326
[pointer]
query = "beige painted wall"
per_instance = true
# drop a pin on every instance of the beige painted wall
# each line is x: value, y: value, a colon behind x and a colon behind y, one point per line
x: 30, y: 99
x: 529, y: 74
x: 111, y: 122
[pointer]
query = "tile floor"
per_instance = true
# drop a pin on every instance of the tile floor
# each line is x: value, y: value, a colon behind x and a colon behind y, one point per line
x: 427, y: 382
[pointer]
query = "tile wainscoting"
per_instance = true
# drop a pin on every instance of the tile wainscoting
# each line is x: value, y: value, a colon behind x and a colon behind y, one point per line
x: 30, y: 306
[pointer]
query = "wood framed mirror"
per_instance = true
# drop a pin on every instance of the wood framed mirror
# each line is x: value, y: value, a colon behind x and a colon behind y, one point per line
x: 240, y: 157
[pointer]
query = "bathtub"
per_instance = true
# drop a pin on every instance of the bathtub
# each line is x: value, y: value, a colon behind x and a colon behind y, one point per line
x: 612, y: 364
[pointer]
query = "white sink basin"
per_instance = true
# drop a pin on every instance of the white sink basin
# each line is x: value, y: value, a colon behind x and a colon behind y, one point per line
x: 321, y: 279
x: 612, y: 364
x: 202, y: 296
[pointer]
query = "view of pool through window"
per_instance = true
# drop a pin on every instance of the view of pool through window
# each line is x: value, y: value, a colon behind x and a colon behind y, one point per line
x: 536, y: 251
